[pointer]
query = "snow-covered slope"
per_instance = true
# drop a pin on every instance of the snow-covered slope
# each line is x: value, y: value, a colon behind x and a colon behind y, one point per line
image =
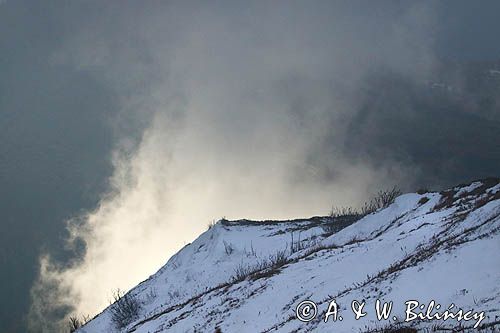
x: 247, y: 276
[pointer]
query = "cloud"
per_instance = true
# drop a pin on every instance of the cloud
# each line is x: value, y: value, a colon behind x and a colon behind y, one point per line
x: 230, y: 110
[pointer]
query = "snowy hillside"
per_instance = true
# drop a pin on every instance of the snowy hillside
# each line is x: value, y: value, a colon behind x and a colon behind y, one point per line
x: 247, y: 276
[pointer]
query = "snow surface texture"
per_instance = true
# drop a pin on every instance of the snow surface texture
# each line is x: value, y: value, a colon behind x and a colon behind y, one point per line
x: 441, y: 246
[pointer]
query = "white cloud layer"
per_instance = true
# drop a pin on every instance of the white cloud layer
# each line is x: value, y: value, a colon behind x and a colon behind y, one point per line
x: 234, y: 104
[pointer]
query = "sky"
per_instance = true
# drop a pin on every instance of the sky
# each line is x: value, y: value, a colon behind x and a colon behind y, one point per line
x: 127, y: 127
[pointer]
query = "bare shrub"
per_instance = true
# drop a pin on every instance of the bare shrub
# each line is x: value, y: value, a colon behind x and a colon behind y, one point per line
x: 251, y: 252
x: 278, y: 259
x: 353, y: 240
x: 383, y: 199
x: 299, y: 245
x: 241, y: 272
x: 343, y: 211
x: 75, y: 323
x: 343, y: 216
x: 125, y: 309
x: 296, y: 245
x: 273, y: 262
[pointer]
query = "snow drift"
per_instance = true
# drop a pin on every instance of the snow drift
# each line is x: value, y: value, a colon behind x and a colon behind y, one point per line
x: 250, y: 276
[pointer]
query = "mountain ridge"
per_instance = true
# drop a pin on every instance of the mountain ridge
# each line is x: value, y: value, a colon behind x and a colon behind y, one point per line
x: 249, y: 275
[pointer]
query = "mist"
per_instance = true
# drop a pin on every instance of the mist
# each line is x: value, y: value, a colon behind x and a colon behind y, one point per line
x: 232, y: 110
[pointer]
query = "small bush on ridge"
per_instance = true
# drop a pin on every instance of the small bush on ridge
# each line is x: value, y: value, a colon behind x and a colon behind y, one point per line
x: 125, y: 309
